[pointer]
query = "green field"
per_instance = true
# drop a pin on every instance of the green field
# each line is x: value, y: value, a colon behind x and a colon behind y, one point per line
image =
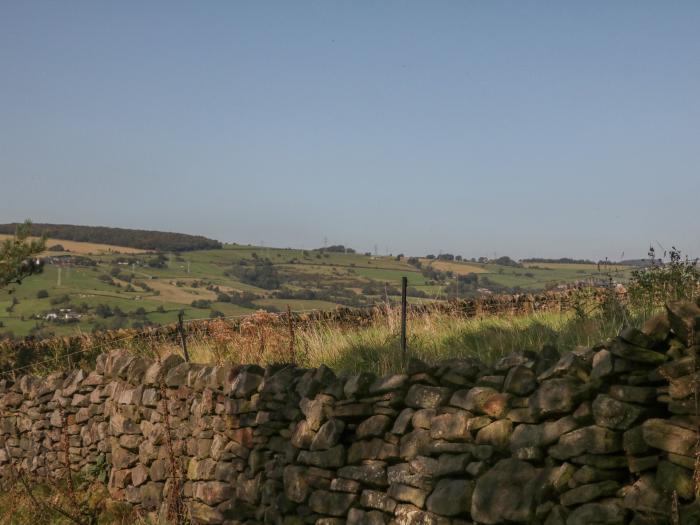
x: 123, y: 290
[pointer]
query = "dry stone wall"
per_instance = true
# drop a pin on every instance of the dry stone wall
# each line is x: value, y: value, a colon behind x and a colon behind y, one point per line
x: 29, y: 351
x: 601, y: 435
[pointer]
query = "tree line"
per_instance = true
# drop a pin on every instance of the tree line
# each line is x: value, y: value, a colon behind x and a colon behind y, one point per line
x: 140, y: 239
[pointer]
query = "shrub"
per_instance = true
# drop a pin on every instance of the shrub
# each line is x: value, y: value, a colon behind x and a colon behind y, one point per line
x: 223, y: 298
x: 661, y: 281
x: 104, y: 311
x: 414, y: 261
x: 159, y: 261
x: 336, y: 248
x: 201, y: 303
x: 61, y: 299
x: 42, y: 294
x: 507, y: 261
x: 261, y: 274
x: 105, y: 278
x: 18, y: 255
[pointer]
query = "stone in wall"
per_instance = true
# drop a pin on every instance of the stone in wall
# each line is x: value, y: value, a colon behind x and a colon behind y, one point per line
x: 602, y: 435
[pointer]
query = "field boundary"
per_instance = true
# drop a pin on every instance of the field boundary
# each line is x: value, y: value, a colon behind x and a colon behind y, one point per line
x: 30, y: 353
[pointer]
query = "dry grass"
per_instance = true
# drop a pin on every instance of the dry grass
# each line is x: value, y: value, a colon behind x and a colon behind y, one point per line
x: 83, y: 248
x: 432, y: 336
x: 458, y: 268
x: 39, y: 503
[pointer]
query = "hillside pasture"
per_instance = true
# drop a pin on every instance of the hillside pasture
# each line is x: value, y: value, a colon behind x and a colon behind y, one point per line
x: 456, y: 267
x: 588, y: 267
x: 150, y: 288
x: 82, y: 248
x: 170, y: 292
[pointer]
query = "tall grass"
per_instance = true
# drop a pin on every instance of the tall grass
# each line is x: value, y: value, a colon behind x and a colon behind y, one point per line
x: 434, y: 333
x: 432, y: 336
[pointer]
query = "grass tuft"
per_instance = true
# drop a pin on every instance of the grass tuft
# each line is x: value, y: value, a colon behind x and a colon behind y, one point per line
x: 432, y: 336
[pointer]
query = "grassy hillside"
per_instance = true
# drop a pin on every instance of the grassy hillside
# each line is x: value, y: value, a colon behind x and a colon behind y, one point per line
x: 82, y: 248
x: 97, y: 288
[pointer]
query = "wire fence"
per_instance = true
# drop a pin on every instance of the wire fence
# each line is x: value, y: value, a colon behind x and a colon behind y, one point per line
x: 66, y: 350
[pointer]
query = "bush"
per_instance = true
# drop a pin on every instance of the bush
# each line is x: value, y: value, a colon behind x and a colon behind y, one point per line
x: 159, y: 261
x: 244, y: 299
x: 336, y: 248
x: 201, y: 303
x: 261, y: 274
x: 414, y: 261
x: 42, y: 294
x: 223, y: 298
x: 663, y: 281
x: 105, y: 278
x: 463, y: 286
x: 507, y: 261
x: 18, y: 255
x: 434, y: 275
x: 61, y: 299
x: 103, y: 311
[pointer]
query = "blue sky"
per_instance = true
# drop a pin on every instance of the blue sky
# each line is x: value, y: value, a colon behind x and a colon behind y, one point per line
x: 479, y: 128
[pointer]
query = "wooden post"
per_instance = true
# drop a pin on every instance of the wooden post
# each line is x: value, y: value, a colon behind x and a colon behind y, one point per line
x: 404, y: 285
x: 183, y: 340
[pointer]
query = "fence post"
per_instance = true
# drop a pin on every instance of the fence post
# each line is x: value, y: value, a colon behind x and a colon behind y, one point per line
x: 183, y: 340
x: 404, y: 285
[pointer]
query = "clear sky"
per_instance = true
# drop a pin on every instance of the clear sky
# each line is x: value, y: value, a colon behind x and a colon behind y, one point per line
x: 517, y: 128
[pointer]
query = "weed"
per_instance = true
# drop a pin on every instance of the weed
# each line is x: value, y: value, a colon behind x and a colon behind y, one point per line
x: 670, y: 278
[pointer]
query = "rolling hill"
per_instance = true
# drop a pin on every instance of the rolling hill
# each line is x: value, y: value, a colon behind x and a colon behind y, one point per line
x: 90, y: 286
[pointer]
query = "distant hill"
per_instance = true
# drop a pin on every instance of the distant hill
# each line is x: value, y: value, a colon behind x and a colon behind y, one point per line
x: 141, y: 239
x: 569, y: 260
x: 561, y: 260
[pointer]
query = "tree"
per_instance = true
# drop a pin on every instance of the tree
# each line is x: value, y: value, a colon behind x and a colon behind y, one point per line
x: 507, y: 261
x: 18, y: 256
